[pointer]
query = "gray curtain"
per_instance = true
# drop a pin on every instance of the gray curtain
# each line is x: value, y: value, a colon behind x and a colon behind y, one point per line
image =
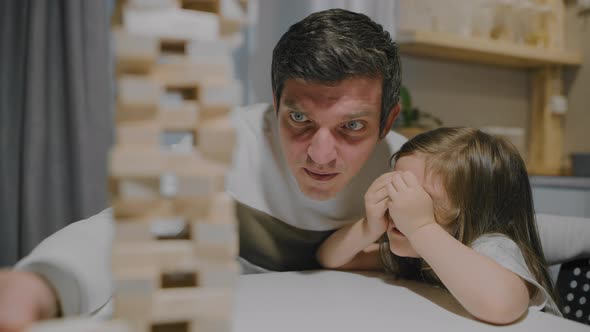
x: 55, y: 117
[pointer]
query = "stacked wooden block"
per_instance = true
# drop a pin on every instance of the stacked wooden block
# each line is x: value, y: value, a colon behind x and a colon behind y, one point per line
x: 174, y: 254
x: 176, y: 239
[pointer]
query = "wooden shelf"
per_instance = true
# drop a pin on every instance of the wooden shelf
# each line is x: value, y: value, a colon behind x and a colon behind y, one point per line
x: 482, y: 51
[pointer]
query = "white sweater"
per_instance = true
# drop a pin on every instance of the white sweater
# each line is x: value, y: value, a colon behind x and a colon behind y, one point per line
x: 76, y: 259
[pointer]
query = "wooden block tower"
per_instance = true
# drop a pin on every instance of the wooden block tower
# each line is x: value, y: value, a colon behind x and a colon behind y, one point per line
x: 174, y: 254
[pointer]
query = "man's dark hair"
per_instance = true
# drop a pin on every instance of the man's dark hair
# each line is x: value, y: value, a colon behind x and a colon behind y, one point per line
x: 332, y: 45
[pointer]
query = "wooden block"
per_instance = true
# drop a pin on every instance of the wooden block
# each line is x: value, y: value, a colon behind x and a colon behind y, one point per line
x: 210, y: 242
x: 177, y: 24
x: 209, y: 112
x: 136, y: 161
x: 79, y: 325
x: 211, y: 6
x: 171, y: 255
x: 134, y: 286
x: 186, y: 165
x: 138, y: 98
x: 184, y: 116
x: 192, y: 207
x: 148, y: 229
x: 134, y: 53
x: 223, y: 209
x: 172, y: 69
x: 189, y: 207
x: 217, y: 139
x: 137, y: 275
x: 138, y: 90
x: 138, y: 133
x: 138, y: 208
x: 138, y: 188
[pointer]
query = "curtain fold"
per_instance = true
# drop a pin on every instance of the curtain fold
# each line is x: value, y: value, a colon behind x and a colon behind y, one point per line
x: 55, y: 117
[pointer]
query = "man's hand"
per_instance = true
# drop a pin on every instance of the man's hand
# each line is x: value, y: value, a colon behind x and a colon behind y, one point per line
x: 410, y: 206
x: 24, y: 298
x: 376, y: 203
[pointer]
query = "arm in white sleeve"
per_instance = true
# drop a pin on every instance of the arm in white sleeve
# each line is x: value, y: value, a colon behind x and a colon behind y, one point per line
x: 76, y: 262
x: 564, y: 238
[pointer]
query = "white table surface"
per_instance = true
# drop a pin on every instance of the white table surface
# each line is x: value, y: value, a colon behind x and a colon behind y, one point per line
x: 347, y: 301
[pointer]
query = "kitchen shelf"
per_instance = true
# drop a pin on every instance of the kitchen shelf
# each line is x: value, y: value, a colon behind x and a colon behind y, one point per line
x: 545, y: 143
x: 482, y: 51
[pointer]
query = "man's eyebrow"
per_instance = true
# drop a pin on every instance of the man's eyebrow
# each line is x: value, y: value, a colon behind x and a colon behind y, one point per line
x: 292, y: 105
x: 358, y: 114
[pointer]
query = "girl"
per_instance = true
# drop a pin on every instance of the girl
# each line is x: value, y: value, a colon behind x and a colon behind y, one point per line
x: 457, y: 210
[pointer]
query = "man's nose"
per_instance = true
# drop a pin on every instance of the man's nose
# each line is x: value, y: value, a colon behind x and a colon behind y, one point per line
x: 322, y: 149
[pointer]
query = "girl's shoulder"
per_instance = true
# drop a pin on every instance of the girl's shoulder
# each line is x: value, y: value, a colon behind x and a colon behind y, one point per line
x: 494, y: 240
x: 503, y: 250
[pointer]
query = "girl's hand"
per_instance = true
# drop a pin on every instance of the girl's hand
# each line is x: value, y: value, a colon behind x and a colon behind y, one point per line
x: 376, y: 203
x: 410, y: 206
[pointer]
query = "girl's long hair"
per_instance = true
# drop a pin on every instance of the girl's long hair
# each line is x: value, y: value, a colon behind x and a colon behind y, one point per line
x: 489, y: 191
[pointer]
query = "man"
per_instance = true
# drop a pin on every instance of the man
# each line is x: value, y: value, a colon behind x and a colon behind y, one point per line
x: 301, y: 169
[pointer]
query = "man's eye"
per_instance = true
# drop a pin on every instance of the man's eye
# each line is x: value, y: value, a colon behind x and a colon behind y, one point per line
x: 354, y: 125
x: 298, y: 117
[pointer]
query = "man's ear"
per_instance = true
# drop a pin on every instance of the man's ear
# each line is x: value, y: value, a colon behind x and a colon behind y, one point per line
x: 393, y: 114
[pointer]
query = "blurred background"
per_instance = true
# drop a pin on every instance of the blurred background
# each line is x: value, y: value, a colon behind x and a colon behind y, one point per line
x: 516, y: 68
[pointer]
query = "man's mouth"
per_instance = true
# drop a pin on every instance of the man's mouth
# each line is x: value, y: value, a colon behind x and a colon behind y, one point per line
x: 320, y: 176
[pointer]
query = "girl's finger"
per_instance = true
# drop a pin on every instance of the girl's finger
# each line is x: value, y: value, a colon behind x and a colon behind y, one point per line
x: 391, y: 191
x: 380, y: 182
x: 398, y: 182
x: 410, y: 179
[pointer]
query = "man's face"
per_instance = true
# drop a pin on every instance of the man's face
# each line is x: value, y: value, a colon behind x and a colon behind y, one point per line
x: 328, y: 132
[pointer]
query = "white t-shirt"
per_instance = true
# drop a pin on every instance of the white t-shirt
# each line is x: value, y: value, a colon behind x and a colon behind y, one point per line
x: 261, y: 178
x: 506, y: 252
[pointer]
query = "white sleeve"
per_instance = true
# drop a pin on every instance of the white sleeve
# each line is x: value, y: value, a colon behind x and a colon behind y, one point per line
x: 76, y: 261
x: 563, y: 238
x: 506, y: 252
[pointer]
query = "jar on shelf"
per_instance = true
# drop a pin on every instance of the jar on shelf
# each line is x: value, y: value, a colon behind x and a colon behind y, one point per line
x: 415, y: 15
x: 504, y: 20
x: 483, y: 18
x: 453, y: 16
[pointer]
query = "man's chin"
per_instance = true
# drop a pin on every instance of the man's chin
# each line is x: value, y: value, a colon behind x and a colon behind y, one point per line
x: 318, y: 194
